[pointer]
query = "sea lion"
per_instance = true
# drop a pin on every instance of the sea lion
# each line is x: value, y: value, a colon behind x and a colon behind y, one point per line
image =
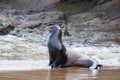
x: 57, y: 52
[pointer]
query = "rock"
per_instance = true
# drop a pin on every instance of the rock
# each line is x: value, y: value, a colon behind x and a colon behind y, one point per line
x: 96, y: 27
x: 6, y: 30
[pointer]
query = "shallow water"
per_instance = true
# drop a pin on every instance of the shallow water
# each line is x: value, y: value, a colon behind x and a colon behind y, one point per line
x: 18, y: 54
x: 21, y: 59
x: 62, y: 74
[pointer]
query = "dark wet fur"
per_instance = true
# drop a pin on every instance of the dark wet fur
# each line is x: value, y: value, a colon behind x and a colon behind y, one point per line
x: 57, y: 51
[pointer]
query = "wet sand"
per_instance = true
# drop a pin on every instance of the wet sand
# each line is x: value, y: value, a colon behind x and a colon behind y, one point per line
x: 62, y: 74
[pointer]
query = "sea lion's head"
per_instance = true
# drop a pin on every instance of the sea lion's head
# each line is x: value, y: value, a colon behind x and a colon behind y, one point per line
x: 54, y: 26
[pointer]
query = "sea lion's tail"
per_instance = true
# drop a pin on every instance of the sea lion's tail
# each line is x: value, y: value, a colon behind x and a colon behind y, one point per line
x: 95, y: 65
x: 98, y: 66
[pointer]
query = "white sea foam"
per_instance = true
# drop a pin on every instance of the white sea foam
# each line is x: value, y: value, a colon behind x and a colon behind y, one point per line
x: 12, y: 65
x: 17, y: 54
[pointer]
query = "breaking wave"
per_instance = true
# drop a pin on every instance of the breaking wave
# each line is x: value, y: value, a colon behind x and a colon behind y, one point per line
x: 19, y: 54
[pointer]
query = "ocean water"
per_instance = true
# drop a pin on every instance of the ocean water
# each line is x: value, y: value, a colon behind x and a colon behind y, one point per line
x: 18, y: 54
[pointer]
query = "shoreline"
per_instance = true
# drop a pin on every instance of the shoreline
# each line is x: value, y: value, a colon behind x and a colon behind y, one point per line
x: 71, y: 73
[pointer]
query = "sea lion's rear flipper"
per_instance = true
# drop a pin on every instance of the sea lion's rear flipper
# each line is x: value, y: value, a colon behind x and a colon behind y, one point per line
x: 98, y: 66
